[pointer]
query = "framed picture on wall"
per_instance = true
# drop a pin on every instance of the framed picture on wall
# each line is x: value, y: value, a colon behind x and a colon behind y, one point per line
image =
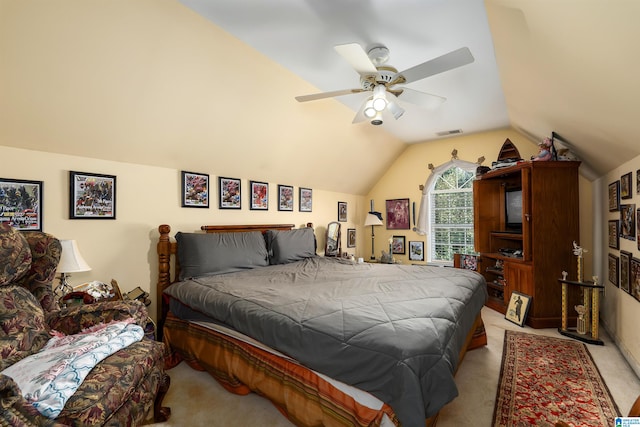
x: 342, y: 211
x: 638, y: 181
x: 351, y: 237
x: 614, y: 266
x: 259, y: 193
x: 628, y: 221
x: 229, y: 191
x: 285, y: 198
x: 625, y: 186
x: 634, y: 278
x: 305, y: 200
x: 21, y: 203
x: 92, y: 196
x: 614, y: 233
x: 614, y: 196
x: 625, y: 270
x: 398, y: 245
x: 638, y: 228
x: 416, y: 251
x: 397, y: 214
x: 195, y: 190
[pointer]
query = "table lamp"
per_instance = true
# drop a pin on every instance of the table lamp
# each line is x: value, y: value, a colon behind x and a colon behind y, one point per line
x: 373, y: 218
x: 70, y: 262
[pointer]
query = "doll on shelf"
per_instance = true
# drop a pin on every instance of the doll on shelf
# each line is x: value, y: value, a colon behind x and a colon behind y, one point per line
x: 547, y: 151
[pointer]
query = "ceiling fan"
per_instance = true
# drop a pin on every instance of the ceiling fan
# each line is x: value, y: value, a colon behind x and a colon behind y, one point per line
x: 384, y: 80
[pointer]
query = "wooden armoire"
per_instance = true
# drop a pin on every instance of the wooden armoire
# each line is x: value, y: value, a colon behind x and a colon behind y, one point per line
x: 530, y: 257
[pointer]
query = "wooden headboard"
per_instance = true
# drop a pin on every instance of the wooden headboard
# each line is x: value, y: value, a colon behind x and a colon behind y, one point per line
x: 167, y: 249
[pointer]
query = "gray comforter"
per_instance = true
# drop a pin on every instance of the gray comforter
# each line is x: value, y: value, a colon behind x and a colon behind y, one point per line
x: 393, y: 330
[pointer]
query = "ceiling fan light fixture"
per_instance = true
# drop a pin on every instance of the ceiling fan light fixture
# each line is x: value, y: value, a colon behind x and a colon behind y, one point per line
x: 377, y: 120
x: 396, y: 110
x: 379, y: 98
x: 369, y: 110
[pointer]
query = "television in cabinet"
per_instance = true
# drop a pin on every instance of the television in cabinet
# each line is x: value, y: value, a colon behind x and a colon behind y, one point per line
x: 527, y: 254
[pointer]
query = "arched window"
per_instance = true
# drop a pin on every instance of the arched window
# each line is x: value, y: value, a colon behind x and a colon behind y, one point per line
x: 446, y: 211
x: 451, y: 215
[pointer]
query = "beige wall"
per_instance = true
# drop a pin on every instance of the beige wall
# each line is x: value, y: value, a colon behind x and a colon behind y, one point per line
x: 410, y: 170
x: 125, y: 248
x: 620, y: 312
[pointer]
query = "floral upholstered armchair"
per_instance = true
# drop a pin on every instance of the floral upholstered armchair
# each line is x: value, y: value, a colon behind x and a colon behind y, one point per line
x: 121, y: 390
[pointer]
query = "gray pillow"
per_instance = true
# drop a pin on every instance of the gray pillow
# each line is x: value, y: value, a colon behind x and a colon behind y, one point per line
x: 216, y: 253
x: 291, y: 245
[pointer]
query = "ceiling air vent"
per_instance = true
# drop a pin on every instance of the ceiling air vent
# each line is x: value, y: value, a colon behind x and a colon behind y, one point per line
x: 449, y: 132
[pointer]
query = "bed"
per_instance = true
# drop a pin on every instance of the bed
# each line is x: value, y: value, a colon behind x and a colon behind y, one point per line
x: 328, y: 341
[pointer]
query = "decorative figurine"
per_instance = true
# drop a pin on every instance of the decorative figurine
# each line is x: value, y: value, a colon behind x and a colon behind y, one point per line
x: 578, y: 251
x: 564, y: 275
x: 546, y: 151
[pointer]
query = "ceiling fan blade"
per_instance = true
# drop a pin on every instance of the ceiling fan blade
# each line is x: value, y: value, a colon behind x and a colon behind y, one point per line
x: 446, y: 62
x: 322, y: 95
x: 422, y: 99
x: 357, y: 57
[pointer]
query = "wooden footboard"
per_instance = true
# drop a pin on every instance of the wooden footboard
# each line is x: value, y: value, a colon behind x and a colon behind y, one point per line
x: 300, y: 394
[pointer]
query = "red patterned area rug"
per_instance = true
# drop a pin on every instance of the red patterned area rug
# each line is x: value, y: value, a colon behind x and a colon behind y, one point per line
x: 546, y: 379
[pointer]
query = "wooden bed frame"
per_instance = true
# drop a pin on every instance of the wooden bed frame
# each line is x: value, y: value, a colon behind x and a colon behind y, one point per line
x: 167, y: 250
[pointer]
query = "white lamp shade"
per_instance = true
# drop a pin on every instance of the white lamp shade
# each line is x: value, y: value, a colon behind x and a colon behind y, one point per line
x: 372, y: 220
x: 70, y: 259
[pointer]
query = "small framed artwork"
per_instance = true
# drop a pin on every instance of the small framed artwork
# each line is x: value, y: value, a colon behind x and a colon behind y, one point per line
x: 416, y: 251
x: 397, y: 214
x: 342, y: 211
x: 195, y: 190
x: 628, y: 221
x: 469, y: 262
x: 305, y: 199
x: 351, y: 237
x: 638, y: 227
x: 638, y: 181
x: 634, y: 278
x: 229, y: 191
x: 614, y: 266
x: 625, y: 270
x: 92, y: 196
x: 398, y: 245
x: 614, y: 196
x: 518, y: 308
x: 625, y: 186
x: 285, y: 198
x: 614, y: 233
x: 21, y: 203
x: 259, y: 196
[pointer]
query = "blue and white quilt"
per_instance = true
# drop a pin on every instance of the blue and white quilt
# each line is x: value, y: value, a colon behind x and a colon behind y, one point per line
x: 50, y: 377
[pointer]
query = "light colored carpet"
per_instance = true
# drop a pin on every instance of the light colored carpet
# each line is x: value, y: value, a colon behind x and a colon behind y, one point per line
x: 198, y: 400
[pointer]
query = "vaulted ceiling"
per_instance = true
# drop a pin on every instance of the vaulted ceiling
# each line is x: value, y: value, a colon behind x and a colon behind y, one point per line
x: 210, y: 85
